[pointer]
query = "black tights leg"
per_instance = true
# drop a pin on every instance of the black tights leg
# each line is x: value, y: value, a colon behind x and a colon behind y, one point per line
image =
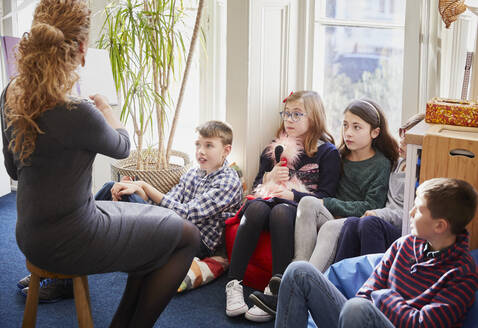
x: 145, y: 297
x: 281, y: 227
x: 252, y: 223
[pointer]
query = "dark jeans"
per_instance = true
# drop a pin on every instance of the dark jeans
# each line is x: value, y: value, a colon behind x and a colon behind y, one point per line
x: 105, y: 194
x: 368, y: 235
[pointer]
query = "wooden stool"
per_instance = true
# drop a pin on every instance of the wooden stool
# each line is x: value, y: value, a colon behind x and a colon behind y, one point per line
x: 80, y: 291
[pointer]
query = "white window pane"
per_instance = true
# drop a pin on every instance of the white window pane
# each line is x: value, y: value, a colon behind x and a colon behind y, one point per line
x: 7, y: 26
x: 25, y: 17
x: 390, y: 11
x: 360, y: 62
x: 7, y: 7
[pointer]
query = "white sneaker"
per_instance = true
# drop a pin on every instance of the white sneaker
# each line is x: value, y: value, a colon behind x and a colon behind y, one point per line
x: 235, y: 304
x: 256, y: 314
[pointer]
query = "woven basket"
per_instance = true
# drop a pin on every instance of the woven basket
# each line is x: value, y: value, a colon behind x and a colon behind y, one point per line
x: 163, y: 180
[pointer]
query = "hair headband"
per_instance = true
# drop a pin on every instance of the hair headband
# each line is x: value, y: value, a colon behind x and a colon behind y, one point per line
x: 374, y: 109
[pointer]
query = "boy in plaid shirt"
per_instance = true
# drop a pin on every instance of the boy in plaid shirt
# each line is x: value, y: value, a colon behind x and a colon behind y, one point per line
x: 206, y: 195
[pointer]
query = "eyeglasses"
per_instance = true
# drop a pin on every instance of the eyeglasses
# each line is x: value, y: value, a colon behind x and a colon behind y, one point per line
x: 295, y: 116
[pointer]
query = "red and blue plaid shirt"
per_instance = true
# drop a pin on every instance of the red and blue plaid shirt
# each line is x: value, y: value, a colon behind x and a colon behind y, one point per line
x: 206, y: 200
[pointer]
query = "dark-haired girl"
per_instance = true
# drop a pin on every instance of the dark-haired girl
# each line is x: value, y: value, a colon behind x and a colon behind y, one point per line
x: 368, y: 153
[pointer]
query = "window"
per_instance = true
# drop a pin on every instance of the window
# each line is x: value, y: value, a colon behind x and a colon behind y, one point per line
x: 359, y: 53
x: 17, y: 16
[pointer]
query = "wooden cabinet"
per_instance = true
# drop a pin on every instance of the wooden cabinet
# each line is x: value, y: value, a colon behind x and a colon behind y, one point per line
x: 452, y: 152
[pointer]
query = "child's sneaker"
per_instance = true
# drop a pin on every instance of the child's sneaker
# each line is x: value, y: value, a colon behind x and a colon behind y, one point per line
x: 256, y: 314
x: 25, y: 282
x: 265, y: 302
x: 274, y: 283
x: 53, y: 290
x: 235, y: 304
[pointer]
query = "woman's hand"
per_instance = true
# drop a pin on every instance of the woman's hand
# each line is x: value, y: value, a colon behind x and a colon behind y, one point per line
x: 283, y: 193
x: 101, y: 102
x: 369, y: 213
x: 279, y: 173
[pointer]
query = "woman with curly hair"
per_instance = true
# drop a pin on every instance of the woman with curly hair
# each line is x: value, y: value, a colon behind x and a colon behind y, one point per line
x: 50, y: 141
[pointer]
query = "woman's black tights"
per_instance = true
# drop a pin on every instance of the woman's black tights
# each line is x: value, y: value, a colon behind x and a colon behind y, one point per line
x: 258, y: 217
x: 145, y: 297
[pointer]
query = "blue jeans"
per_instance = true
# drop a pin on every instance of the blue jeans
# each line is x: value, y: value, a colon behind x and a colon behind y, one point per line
x: 105, y: 194
x: 305, y: 289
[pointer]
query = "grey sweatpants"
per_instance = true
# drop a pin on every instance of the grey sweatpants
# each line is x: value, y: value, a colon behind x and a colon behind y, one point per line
x: 316, y: 233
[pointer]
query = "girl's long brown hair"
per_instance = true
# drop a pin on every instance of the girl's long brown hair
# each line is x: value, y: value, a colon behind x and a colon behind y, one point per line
x: 47, y: 58
x: 370, y: 112
x: 315, y: 111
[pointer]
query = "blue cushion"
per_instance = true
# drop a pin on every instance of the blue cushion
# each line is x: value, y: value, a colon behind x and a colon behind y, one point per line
x: 349, y: 275
x: 471, y: 319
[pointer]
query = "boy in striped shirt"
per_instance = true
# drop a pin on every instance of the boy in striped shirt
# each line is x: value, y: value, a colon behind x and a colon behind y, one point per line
x: 425, y: 279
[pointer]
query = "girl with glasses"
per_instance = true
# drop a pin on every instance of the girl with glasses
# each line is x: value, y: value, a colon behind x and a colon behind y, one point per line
x: 317, y: 167
x: 368, y: 152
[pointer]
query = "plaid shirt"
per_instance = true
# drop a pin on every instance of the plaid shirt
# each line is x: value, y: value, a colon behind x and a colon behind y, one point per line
x: 206, y: 200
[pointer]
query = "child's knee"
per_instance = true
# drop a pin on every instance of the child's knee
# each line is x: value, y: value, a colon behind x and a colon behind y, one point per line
x: 299, y: 268
x: 369, y: 223
x: 353, y: 311
x: 308, y: 202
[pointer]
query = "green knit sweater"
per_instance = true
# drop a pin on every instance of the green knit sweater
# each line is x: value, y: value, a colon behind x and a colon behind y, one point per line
x: 363, y: 186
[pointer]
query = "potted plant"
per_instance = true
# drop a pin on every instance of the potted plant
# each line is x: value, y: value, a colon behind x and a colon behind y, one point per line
x: 144, y: 44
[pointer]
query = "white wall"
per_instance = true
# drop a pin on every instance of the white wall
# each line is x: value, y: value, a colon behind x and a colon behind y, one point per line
x: 261, y: 70
x: 101, y: 166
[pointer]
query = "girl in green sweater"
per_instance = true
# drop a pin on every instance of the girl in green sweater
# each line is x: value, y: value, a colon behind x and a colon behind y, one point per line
x: 368, y: 153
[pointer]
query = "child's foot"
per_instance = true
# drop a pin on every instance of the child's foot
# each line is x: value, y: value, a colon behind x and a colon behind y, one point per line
x: 235, y: 304
x: 256, y: 314
x: 268, y: 303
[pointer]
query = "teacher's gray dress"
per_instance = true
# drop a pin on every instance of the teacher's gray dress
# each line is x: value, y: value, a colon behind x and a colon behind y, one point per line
x: 60, y: 227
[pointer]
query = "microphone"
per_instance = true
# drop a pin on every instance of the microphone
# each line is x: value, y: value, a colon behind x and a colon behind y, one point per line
x: 278, y: 152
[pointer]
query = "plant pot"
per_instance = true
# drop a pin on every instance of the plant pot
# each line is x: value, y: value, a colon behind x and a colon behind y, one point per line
x: 163, y: 179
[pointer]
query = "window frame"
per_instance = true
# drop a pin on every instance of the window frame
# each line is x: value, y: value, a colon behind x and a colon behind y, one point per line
x: 413, y: 95
x: 321, y: 19
x: 14, y: 14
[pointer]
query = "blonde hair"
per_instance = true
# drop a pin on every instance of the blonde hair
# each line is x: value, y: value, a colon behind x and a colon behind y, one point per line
x: 47, y: 58
x: 211, y: 129
x: 314, y: 108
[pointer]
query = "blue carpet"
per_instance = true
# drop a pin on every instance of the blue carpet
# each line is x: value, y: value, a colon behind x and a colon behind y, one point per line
x: 203, y: 307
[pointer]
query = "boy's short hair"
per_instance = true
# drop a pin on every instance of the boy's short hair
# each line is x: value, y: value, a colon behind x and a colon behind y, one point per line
x: 211, y: 129
x: 451, y: 199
